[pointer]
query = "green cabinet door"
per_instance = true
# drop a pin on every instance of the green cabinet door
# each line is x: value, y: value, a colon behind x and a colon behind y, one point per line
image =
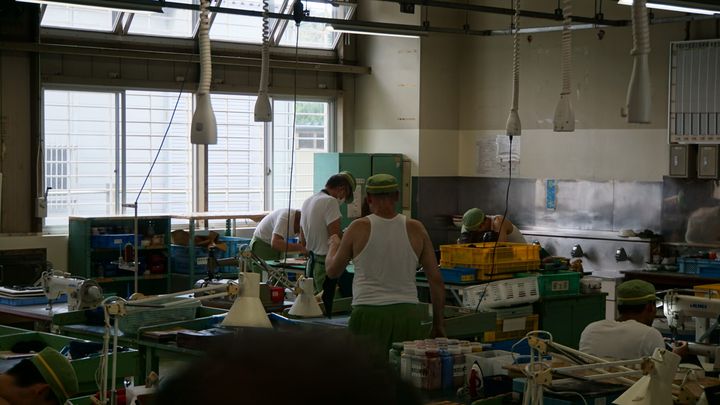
x: 567, y: 316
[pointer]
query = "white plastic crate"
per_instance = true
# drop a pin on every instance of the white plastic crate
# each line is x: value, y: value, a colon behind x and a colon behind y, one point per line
x: 502, y: 293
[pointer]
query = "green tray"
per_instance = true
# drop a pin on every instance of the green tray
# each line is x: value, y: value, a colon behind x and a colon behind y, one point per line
x: 9, y: 330
x: 85, y: 368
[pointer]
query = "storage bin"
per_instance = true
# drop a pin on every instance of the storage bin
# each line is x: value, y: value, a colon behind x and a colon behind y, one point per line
x: 496, y: 257
x: 178, y: 309
x: 707, y: 290
x: 501, y: 331
x: 458, y: 275
x: 112, y: 241
x: 703, y: 267
x: 502, y: 293
x: 556, y: 283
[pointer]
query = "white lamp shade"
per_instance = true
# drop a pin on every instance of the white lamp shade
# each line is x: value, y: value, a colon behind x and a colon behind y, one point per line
x: 564, y: 120
x: 247, y: 310
x: 305, y: 304
x: 263, y: 110
x: 204, y: 127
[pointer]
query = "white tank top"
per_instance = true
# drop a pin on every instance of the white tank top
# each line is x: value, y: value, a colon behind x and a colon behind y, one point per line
x: 385, y: 268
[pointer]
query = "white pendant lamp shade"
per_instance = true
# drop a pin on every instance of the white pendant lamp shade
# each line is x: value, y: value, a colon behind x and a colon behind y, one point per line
x: 247, y: 310
x: 305, y: 304
x: 204, y: 126
x: 263, y: 110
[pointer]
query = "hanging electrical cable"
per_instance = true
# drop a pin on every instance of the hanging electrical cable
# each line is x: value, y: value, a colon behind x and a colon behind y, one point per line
x: 263, y: 109
x: 638, y: 102
x: 564, y: 119
x: 204, y: 127
x: 513, y: 127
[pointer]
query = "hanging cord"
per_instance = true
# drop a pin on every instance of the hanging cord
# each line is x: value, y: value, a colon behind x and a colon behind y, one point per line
x: 167, y: 130
x: 502, y: 222
x: 264, y: 70
x: 292, y: 141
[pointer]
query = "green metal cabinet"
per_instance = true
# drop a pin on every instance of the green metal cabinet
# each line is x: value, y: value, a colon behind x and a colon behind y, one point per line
x: 567, y: 316
x: 362, y: 166
x: 90, y: 256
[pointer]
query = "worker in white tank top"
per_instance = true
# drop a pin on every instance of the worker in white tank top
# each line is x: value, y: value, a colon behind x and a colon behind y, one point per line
x: 476, y: 224
x: 386, y: 248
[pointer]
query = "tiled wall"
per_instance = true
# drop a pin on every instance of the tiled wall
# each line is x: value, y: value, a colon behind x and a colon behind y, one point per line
x: 580, y: 205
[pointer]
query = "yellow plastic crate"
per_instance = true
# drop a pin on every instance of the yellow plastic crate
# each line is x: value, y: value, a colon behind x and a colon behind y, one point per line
x: 505, y: 258
x: 531, y: 323
x: 707, y: 290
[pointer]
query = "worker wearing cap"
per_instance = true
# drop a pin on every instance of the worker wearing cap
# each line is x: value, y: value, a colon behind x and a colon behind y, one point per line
x: 386, y: 248
x: 632, y: 335
x: 271, y: 238
x: 46, y: 378
x: 476, y: 225
x: 321, y: 218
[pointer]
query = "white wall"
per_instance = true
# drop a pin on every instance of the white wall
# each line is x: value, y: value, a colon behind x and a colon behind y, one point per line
x: 56, y: 246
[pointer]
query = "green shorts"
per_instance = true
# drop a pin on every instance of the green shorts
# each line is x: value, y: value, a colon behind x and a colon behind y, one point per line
x: 385, y: 324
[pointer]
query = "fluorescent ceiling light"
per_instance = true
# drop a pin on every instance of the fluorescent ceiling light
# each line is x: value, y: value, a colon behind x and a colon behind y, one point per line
x: 674, y: 7
x: 386, y: 32
x: 128, y: 6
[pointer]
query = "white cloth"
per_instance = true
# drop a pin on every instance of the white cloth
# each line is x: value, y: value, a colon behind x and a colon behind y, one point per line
x: 275, y: 223
x: 317, y: 212
x: 624, y: 340
x: 385, y: 268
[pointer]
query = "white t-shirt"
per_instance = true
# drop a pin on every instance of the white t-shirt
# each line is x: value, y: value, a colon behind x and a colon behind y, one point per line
x: 624, y: 340
x: 318, y: 211
x: 275, y: 222
x: 385, y: 268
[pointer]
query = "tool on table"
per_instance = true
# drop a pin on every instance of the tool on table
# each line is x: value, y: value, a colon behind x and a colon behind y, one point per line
x: 82, y: 293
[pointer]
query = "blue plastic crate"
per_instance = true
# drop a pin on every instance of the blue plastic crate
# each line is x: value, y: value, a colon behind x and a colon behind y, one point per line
x: 111, y: 241
x: 703, y: 267
x: 180, y: 256
x: 458, y: 275
x: 17, y: 302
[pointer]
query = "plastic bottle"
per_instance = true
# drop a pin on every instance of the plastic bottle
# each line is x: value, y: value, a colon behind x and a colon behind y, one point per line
x: 406, y: 358
x: 394, y: 356
x: 433, y: 380
x: 458, y: 365
x: 419, y: 367
x: 446, y: 360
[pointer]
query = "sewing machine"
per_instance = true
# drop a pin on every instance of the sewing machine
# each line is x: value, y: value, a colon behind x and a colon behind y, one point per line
x: 706, y: 311
x: 81, y: 293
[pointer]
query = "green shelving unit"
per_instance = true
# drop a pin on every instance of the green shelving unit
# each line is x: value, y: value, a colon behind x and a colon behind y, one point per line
x: 96, y: 243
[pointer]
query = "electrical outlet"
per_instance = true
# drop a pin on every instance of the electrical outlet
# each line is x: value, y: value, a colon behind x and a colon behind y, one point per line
x: 40, y: 207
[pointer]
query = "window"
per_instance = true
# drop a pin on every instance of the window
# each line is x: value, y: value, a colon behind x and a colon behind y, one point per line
x: 178, y: 22
x: 79, y: 18
x: 236, y: 164
x: 95, y: 160
x: 311, y: 136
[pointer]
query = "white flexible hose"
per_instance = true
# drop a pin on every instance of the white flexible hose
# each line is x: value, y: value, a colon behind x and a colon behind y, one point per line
x: 566, y: 46
x: 640, y: 28
x: 639, y: 97
x: 564, y: 119
x: 265, y: 67
x: 205, y: 57
x: 513, y: 127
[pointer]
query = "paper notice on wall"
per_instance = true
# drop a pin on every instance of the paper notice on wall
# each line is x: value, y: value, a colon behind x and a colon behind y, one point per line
x: 354, y: 210
x: 494, y: 156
